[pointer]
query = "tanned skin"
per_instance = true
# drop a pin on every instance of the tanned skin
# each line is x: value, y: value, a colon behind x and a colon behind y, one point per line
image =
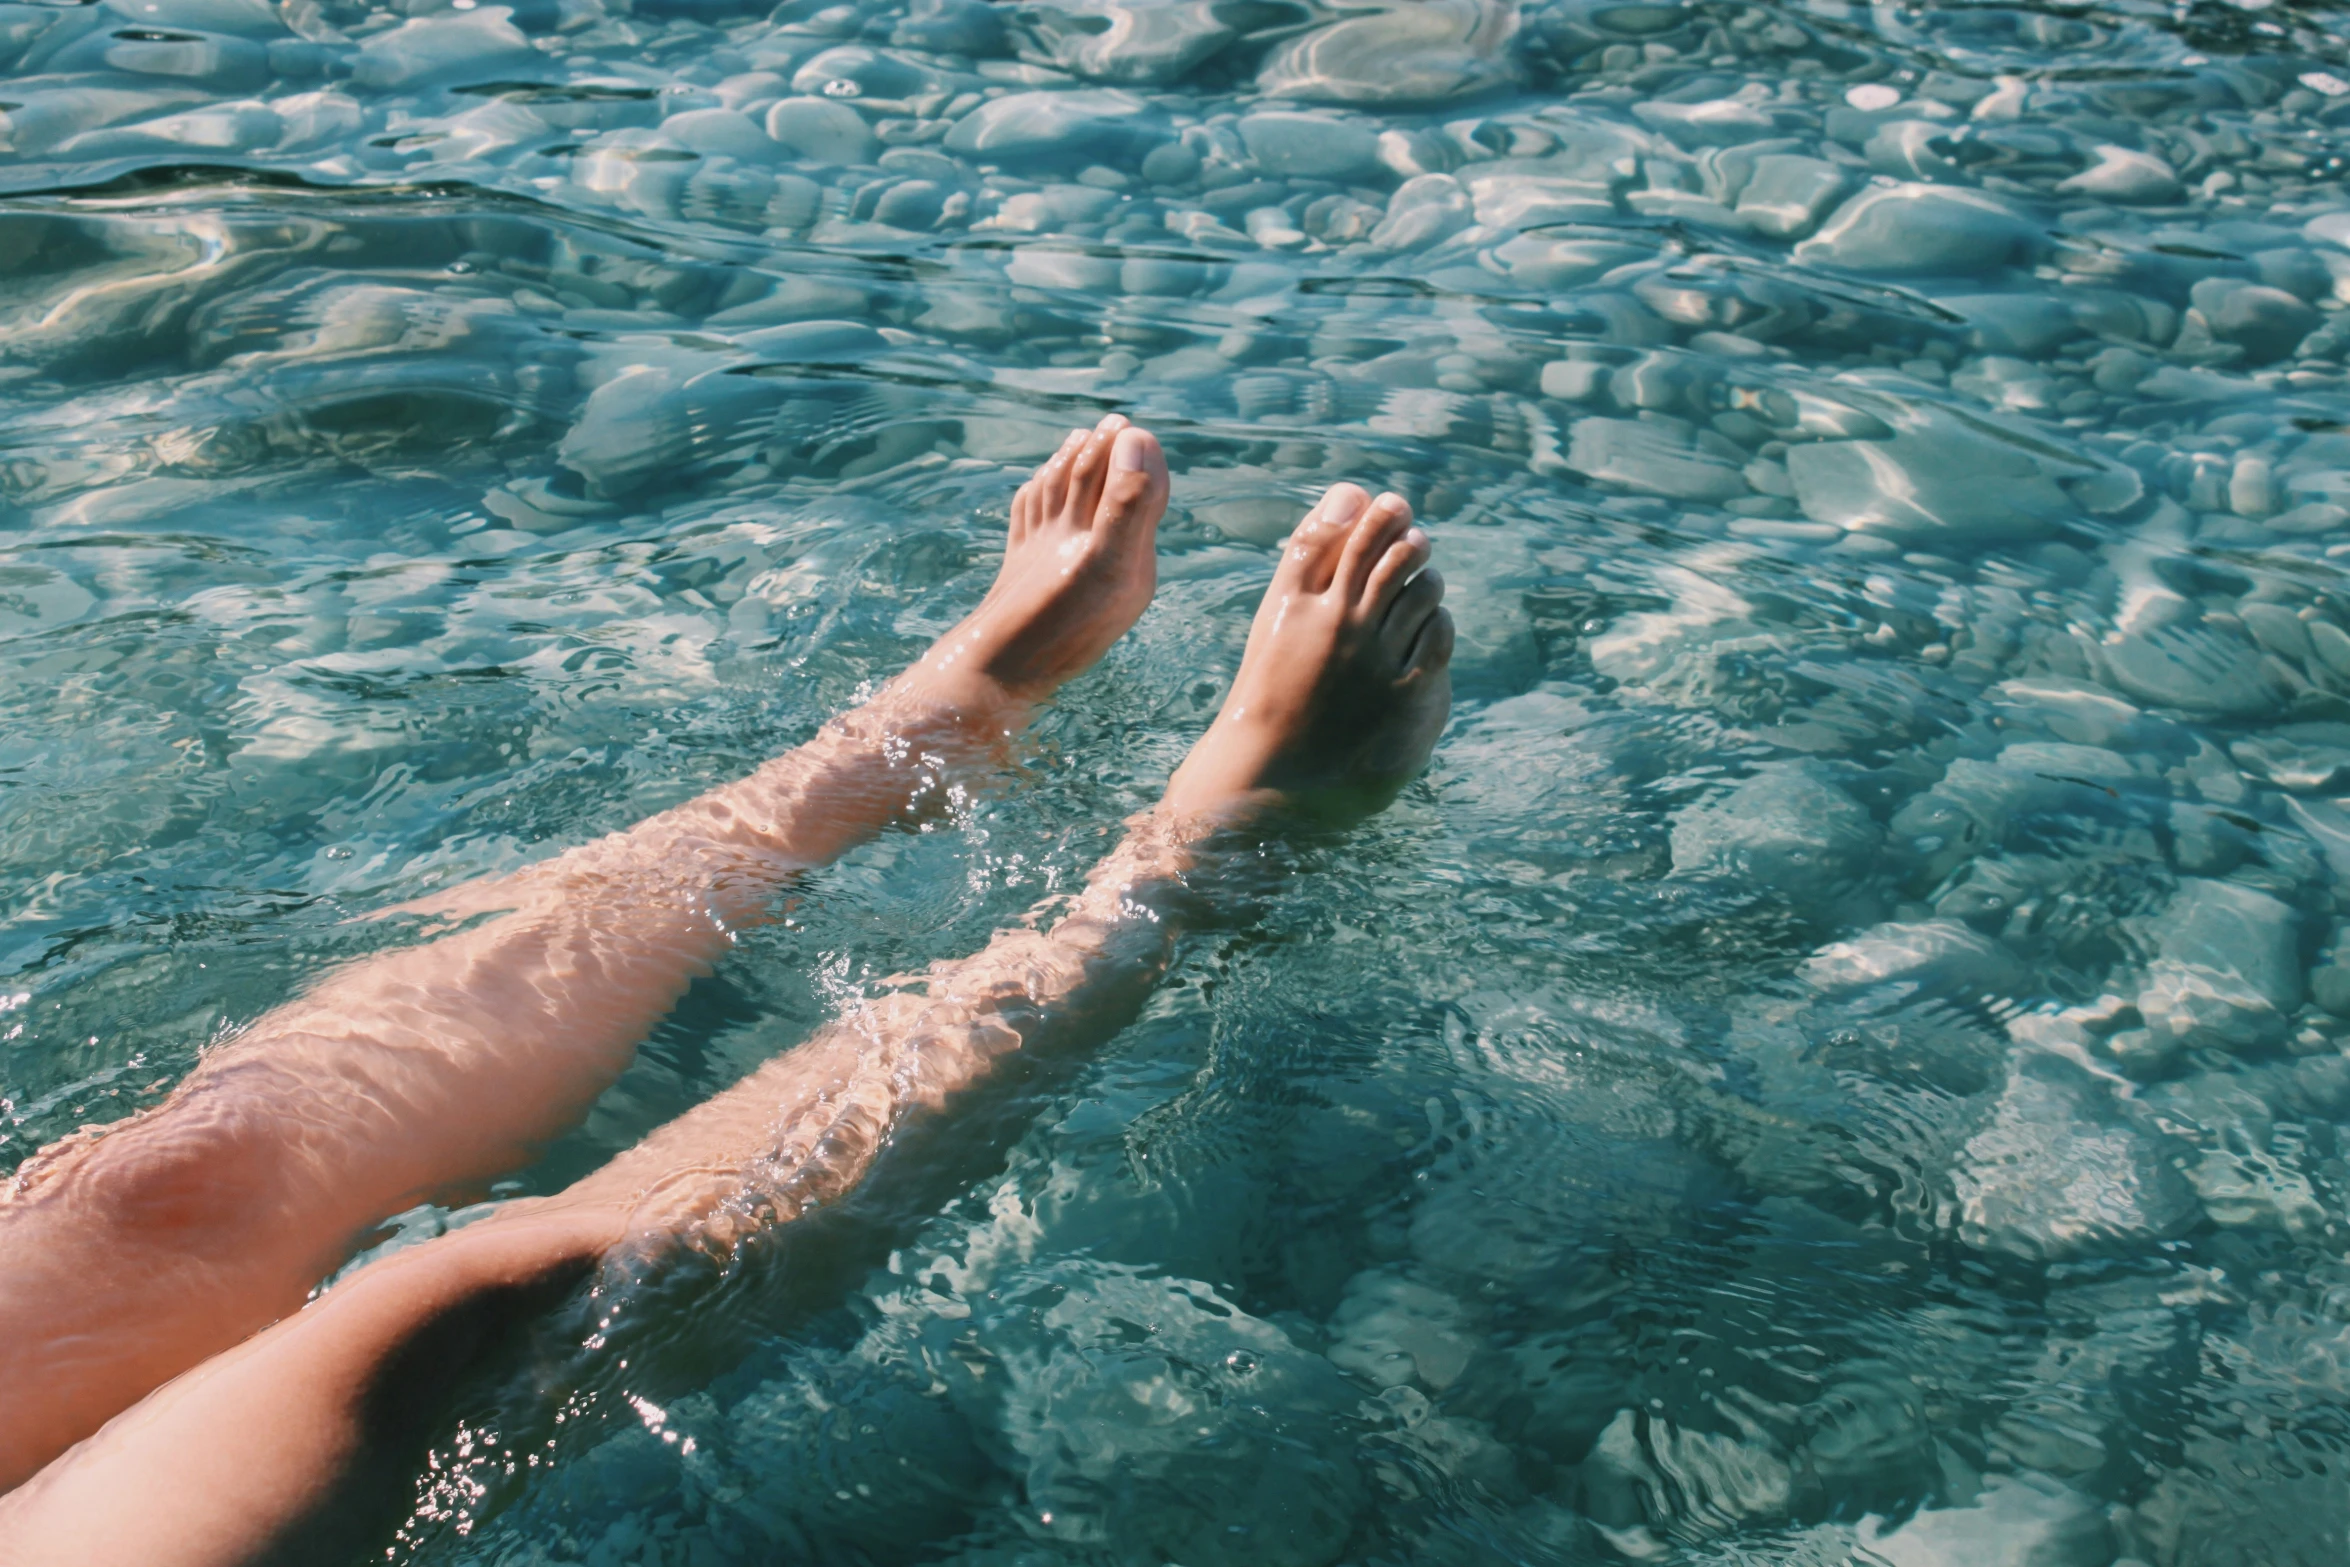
x: 129, y: 1255
x: 292, y: 1446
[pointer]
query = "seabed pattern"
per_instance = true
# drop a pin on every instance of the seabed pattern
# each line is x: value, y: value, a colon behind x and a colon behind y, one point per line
x: 1846, y: 1059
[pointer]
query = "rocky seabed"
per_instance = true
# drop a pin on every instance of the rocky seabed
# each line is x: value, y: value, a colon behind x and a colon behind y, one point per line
x: 1847, y: 1060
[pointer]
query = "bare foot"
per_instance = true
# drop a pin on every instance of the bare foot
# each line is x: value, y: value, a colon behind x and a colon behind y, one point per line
x: 1080, y: 565
x: 1079, y: 568
x: 1347, y: 678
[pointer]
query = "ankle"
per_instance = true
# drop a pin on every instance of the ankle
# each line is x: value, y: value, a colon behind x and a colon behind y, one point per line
x: 1213, y: 790
x: 957, y: 695
x: 982, y: 662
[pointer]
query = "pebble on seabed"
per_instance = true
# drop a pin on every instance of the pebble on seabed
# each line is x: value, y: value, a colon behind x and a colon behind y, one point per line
x: 1891, y: 469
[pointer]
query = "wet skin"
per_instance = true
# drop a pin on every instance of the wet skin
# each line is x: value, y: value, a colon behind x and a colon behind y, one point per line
x: 280, y: 1449
x: 130, y: 1255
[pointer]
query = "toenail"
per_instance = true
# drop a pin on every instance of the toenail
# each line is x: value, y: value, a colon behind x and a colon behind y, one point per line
x: 1127, y: 456
x: 1415, y: 539
x: 1342, y: 505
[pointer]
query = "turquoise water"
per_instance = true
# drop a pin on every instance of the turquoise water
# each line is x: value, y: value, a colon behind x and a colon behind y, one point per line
x: 1845, y: 1059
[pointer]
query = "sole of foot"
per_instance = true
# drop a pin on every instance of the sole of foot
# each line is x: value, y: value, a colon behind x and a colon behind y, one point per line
x: 1346, y: 681
x: 1080, y: 566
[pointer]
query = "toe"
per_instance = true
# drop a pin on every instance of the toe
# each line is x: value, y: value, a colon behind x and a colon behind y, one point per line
x: 1431, y: 651
x: 1089, y: 465
x: 1052, y: 479
x: 1401, y: 562
x: 1310, y: 556
x: 1378, y: 528
x: 1420, y: 602
x: 1023, y: 513
x: 1134, y: 496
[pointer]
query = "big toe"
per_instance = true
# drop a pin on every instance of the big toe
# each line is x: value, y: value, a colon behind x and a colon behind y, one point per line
x: 1405, y: 630
x: 1134, y: 497
x: 1431, y: 651
x: 1311, y: 554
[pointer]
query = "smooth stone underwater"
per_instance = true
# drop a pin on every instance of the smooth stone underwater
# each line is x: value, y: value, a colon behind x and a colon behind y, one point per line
x: 1846, y: 1056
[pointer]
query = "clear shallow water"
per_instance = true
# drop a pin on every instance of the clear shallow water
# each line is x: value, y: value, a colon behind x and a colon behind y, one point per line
x: 1843, y: 1060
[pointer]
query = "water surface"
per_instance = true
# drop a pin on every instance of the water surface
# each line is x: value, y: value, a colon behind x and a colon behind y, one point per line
x: 1843, y: 1060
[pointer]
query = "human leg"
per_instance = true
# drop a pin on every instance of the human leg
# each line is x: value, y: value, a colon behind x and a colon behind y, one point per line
x: 266, y: 1451
x: 128, y: 1256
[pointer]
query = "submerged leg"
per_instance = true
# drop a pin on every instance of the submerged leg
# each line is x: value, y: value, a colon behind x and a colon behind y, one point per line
x: 275, y: 1450
x: 129, y: 1256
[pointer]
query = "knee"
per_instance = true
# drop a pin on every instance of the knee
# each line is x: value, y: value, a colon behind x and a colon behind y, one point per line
x: 171, y: 1175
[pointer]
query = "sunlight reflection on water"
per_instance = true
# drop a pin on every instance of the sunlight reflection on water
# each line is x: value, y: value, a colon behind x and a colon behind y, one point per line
x: 1846, y: 1053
